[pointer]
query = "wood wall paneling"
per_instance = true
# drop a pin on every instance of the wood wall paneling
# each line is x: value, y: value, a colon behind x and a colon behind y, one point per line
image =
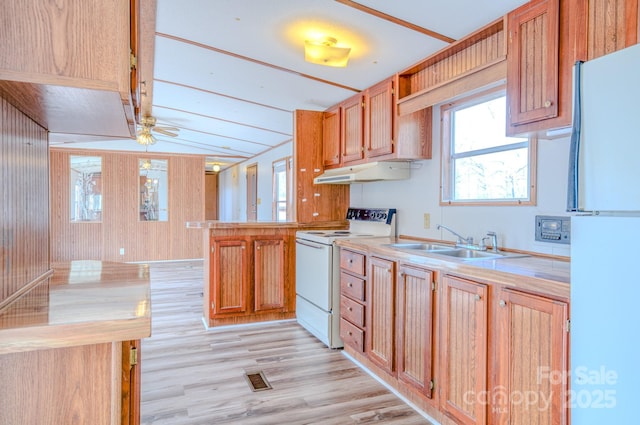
x: 24, y: 212
x: 121, y: 226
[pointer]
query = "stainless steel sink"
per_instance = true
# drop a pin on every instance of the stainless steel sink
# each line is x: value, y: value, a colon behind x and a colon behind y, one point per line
x: 419, y: 246
x: 472, y: 254
x: 453, y: 252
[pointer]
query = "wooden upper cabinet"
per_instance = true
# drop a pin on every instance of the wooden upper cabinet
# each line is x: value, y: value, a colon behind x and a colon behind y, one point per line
x: 314, y: 203
x: 465, y: 351
x: 532, y: 61
x: 58, y: 57
x: 379, y: 119
x: 532, y: 357
x: 415, y: 348
x: 612, y: 25
x: 352, y: 130
x: 331, y: 137
x: 380, y: 329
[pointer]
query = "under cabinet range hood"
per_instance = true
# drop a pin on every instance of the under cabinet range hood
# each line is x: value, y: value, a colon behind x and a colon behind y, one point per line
x: 369, y: 172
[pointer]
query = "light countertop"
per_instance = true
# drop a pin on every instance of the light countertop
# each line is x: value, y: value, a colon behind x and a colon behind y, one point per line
x: 83, y: 302
x: 535, y: 274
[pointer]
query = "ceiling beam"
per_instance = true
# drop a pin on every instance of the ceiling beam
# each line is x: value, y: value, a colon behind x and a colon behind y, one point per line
x: 396, y: 21
x: 256, y: 61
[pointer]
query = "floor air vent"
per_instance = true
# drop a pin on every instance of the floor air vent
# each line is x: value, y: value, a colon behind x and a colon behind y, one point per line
x: 257, y: 381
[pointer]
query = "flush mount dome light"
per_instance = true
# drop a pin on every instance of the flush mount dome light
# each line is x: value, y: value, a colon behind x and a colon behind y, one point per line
x: 325, y: 52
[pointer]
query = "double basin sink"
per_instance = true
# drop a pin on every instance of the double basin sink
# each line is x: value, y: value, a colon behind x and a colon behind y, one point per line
x: 452, y: 251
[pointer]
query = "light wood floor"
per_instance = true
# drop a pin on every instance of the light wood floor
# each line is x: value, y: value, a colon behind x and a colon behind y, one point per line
x: 196, y: 377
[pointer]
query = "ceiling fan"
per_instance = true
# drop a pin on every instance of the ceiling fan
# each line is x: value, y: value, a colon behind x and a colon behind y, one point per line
x: 145, y: 136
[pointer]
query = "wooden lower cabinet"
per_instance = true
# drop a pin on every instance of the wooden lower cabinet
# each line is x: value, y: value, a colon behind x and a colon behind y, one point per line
x: 381, y: 291
x: 414, y: 327
x: 352, y: 299
x: 269, y: 273
x: 531, y: 360
x: 251, y: 278
x: 131, y: 379
x: 465, y: 351
x: 97, y: 384
x: 230, y: 276
x: 463, y: 375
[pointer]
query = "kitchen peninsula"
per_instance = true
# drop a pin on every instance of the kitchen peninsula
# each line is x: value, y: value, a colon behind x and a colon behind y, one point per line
x: 68, y: 348
x: 249, y: 270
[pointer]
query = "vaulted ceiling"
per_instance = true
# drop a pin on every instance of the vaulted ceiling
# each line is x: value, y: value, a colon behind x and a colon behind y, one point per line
x: 228, y: 74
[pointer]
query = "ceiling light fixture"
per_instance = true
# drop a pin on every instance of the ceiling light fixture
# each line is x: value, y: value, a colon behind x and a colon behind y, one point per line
x: 216, y: 168
x: 144, y: 136
x: 325, y: 52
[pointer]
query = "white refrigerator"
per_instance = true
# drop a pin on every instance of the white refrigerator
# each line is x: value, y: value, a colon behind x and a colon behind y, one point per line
x: 604, y: 195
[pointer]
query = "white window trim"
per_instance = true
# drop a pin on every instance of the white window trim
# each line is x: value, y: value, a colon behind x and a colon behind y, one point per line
x: 446, y: 177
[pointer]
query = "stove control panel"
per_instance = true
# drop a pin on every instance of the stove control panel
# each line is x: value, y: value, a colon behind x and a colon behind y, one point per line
x: 381, y: 215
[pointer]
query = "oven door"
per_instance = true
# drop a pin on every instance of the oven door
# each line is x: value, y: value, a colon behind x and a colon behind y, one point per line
x: 314, y: 265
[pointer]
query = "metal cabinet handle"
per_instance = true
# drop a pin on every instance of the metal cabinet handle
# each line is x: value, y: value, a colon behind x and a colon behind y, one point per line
x: 547, y: 103
x: 477, y: 297
x: 350, y: 285
x: 502, y: 303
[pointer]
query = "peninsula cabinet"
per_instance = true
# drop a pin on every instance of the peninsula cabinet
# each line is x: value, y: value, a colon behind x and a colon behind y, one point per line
x: 67, y: 64
x: 464, y: 355
x: 250, y: 275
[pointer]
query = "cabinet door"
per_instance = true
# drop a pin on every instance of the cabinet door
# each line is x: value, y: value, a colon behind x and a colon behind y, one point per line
x: 331, y: 137
x: 269, y: 273
x: 532, y: 61
x: 353, y: 129
x: 415, y: 328
x: 229, y: 278
x: 464, y: 360
x: 380, y: 335
x: 130, y: 408
x: 379, y: 113
x: 532, y: 359
x: 612, y: 25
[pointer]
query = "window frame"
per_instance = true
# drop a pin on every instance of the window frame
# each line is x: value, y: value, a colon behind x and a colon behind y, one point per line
x: 287, y: 161
x: 446, y: 177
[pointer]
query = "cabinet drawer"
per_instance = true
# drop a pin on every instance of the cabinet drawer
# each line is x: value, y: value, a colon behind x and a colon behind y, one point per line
x: 352, y: 261
x: 352, y: 286
x: 351, y: 335
x: 352, y: 311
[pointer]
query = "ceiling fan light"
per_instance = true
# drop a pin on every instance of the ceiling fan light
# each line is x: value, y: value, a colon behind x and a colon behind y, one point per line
x: 325, y: 52
x: 145, y: 138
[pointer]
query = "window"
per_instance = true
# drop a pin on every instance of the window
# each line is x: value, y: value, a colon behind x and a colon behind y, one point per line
x: 153, y: 187
x: 85, y: 188
x: 282, y: 189
x: 480, y: 164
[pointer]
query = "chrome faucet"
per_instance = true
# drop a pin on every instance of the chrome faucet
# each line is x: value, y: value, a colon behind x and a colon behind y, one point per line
x: 494, y: 242
x: 461, y: 239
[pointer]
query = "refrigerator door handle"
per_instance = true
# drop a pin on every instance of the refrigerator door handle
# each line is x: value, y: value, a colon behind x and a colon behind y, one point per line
x: 574, y: 150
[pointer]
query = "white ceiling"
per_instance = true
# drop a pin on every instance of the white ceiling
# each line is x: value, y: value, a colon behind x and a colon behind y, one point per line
x: 230, y: 73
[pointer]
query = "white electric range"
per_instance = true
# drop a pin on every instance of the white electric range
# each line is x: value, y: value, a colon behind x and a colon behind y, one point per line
x: 318, y: 269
